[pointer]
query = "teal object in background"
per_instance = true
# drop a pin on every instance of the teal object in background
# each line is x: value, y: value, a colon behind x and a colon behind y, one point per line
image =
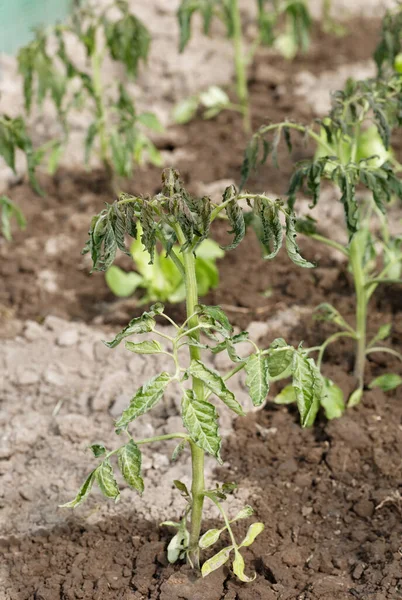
x: 19, y: 17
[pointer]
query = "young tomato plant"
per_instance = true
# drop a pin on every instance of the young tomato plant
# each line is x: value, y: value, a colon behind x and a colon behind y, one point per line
x: 117, y: 127
x: 180, y: 223
x: 161, y: 280
x: 8, y: 211
x: 388, y: 54
x: 271, y: 13
x: 373, y: 255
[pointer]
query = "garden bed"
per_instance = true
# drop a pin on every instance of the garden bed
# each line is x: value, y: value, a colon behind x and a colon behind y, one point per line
x: 330, y: 496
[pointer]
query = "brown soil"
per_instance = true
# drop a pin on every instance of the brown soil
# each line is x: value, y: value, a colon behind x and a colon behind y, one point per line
x: 330, y: 498
x: 41, y: 271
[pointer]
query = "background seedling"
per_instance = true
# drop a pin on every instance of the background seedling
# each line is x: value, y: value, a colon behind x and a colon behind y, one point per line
x: 374, y: 256
x: 175, y: 218
x: 271, y: 14
x: 117, y: 127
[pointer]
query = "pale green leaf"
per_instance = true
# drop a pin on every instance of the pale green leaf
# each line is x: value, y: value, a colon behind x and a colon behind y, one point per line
x: 201, y: 421
x: 216, y: 561
x: 185, y: 110
x: 215, y: 383
x: 178, y: 545
x: 145, y: 347
x: 279, y: 359
x: 151, y: 121
x: 355, y: 397
x: 244, y: 513
x: 122, y: 284
x: 252, y: 532
x: 386, y: 382
x: 286, y: 396
x: 146, y: 397
x: 143, y: 324
x: 257, y: 380
x: 106, y: 480
x: 129, y: 459
x: 332, y: 400
x: 308, y: 386
x: 239, y: 566
x: 210, y: 537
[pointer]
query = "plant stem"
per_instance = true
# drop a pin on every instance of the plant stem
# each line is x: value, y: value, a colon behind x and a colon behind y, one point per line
x: 197, y: 454
x: 96, y: 64
x: 357, y: 249
x: 240, y: 66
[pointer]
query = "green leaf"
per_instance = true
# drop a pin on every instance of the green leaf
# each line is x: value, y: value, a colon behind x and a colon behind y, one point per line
x: 128, y: 41
x: 244, y: 513
x: 257, y: 380
x: 216, y: 561
x: 254, y: 530
x: 286, y: 396
x: 97, y: 449
x: 146, y: 397
x: 201, y: 421
x: 146, y: 347
x: 308, y: 386
x: 236, y: 219
x: 182, y: 488
x: 215, y: 383
x: 271, y: 227
x: 327, y: 312
x: 83, y: 492
x: 217, y: 314
x: 105, y: 479
x: 151, y: 121
x: 129, y: 459
x: 383, y: 332
x: 54, y: 158
x: 210, y: 537
x: 280, y: 358
x: 185, y: 110
x: 90, y: 139
x: 239, y: 566
x: 122, y: 284
x: 355, y: 397
x: 10, y: 210
x: 291, y: 245
x: 143, y: 324
x: 332, y: 400
x: 386, y: 382
x: 178, y: 450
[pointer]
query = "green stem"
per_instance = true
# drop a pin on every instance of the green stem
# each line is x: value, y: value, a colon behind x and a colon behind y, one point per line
x: 302, y: 129
x: 329, y: 341
x: 96, y: 64
x: 240, y: 66
x: 330, y: 243
x: 357, y: 248
x: 384, y: 349
x: 197, y: 454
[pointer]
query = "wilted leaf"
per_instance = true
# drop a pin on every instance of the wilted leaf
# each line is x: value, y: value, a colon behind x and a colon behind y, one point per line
x: 291, y: 245
x: 201, y: 421
x: 143, y: 324
x: 210, y: 537
x: 146, y: 397
x: 83, y: 492
x: 308, y: 386
x: 97, y: 449
x: 106, y: 481
x: 215, y: 383
x: 216, y: 561
x: 146, y: 347
x: 239, y: 566
x: 386, y: 382
x: 257, y: 379
x: 129, y: 459
x: 254, y: 530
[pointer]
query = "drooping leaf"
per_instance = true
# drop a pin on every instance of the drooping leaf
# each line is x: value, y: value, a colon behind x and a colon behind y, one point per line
x: 129, y: 459
x: 279, y: 360
x: 386, y: 382
x: 106, y: 480
x: 143, y: 324
x: 332, y: 400
x: 252, y: 532
x: 216, y: 561
x: 182, y: 488
x: 271, y: 227
x: 215, y: 383
x: 236, y: 219
x: 383, y: 332
x: 201, y: 421
x: 239, y: 566
x: 178, y: 545
x: 178, y: 450
x: 146, y: 347
x: 217, y: 314
x: 83, y: 492
x: 97, y: 449
x: 257, y: 379
x: 209, y: 538
x: 286, y: 396
x: 308, y: 387
x: 146, y: 397
x: 291, y: 245
x: 327, y: 312
x: 128, y: 41
x: 9, y: 210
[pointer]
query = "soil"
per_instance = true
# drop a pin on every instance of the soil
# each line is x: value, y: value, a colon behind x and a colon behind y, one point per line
x: 46, y: 274
x: 330, y: 496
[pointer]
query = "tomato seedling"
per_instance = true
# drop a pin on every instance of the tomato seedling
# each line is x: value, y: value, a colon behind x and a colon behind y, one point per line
x: 9, y: 211
x: 373, y: 255
x: 117, y: 127
x: 180, y: 223
x: 161, y: 281
x: 271, y: 14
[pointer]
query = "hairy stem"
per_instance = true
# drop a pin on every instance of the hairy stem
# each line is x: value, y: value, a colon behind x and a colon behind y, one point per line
x: 240, y: 66
x: 197, y: 454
